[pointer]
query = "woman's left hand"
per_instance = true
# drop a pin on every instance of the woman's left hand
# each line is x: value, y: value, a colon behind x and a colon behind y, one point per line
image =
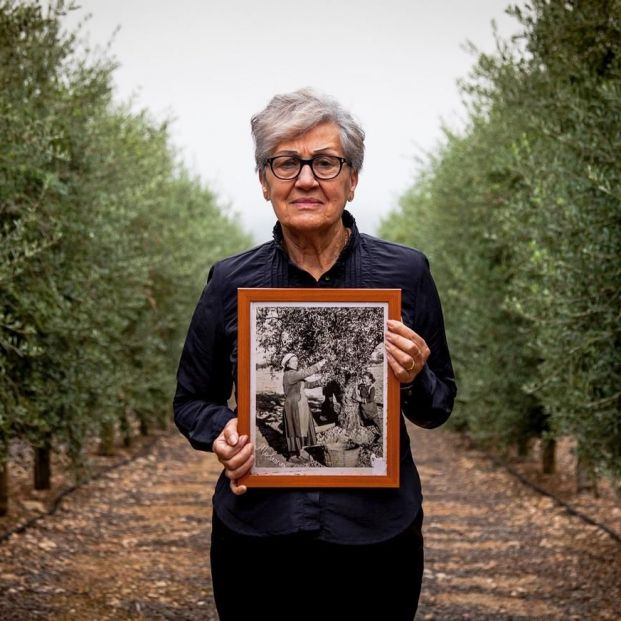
x: 406, y: 351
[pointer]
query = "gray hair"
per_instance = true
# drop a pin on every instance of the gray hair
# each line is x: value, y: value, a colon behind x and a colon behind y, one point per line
x: 292, y: 114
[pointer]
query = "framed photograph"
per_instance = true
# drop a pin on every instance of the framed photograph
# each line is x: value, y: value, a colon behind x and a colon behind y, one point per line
x: 315, y: 392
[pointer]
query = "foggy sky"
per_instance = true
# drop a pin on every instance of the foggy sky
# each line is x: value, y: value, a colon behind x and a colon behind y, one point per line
x: 211, y: 64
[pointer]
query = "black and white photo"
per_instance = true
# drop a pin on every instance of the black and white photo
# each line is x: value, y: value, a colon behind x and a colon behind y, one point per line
x: 317, y: 386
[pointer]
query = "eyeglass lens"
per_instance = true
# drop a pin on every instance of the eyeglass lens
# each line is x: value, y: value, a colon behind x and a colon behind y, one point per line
x: 289, y: 167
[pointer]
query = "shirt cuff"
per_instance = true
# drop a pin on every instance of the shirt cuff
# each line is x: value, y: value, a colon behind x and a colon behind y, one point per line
x: 422, y: 387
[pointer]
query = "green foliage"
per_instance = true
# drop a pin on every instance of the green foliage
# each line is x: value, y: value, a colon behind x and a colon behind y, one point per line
x: 105, y: 241
x: 520, y: 216
x: 315, y: 334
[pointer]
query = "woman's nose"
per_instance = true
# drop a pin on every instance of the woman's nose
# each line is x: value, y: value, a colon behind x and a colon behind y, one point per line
x: 306, y: 178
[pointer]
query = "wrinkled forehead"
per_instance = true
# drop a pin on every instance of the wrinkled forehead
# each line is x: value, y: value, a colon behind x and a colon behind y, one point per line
x: 323, y: 138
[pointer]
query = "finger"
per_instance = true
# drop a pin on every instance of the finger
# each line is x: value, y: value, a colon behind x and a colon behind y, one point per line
x: 238, y: 490
x: 224, y: 451
x: 242, y: 469
x: 239, y: 459
x: 401, y: 374
x: 230, y: 432
x: 398, y: 327
x: 404, y: 344
x: 414, y: 344
x: 408, y: 362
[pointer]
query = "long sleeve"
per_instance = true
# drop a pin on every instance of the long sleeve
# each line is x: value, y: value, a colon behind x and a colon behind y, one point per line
x: 300, y: 374
x: 428, y: 400
x: 204, y: 377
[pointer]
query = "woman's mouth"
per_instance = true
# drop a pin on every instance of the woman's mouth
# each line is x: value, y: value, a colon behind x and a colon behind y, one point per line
x: 307, y: 202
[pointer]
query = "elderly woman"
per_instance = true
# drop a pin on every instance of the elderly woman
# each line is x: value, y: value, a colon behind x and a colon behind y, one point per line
x: 273, y: 546
x: 299, y: 426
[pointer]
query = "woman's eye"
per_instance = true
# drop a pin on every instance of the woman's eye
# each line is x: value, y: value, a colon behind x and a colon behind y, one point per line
x: 288, y: 164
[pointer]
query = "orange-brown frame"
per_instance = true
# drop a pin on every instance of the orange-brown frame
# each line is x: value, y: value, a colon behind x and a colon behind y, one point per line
x: 245, y: 298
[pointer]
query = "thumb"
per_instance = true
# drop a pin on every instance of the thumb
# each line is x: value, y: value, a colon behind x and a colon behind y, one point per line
x: 230, y: 434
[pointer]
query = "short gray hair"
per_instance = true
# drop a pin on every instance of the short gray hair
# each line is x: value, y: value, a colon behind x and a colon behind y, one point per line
x: 292, y: 114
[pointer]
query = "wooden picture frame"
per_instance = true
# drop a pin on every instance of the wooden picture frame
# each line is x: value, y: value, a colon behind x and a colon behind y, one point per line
x: 314, y: 424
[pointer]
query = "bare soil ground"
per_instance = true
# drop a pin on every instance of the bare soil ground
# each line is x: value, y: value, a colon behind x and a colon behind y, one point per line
x: 497, y: 550
x: 134, y: 544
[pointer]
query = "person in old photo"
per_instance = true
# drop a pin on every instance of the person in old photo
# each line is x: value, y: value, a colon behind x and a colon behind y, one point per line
x: 337, y: 553
x: 366, y: 398
x: 299, y: 426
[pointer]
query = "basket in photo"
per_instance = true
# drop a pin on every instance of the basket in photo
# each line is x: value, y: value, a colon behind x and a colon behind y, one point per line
x: 341, y: 456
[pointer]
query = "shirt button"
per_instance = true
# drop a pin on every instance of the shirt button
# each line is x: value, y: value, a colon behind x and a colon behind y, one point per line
x: 326, y: 278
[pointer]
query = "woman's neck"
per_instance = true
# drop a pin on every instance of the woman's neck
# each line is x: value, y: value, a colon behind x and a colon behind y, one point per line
x: 317, y: 253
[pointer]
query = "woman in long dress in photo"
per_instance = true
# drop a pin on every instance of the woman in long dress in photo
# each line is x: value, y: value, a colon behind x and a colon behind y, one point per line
x: 299, y: 426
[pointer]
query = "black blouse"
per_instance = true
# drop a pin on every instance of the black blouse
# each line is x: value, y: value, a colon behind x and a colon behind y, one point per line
x: 208, y: 368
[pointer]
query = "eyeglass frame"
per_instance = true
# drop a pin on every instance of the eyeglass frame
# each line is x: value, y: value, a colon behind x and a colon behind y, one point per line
x: 342, y: 161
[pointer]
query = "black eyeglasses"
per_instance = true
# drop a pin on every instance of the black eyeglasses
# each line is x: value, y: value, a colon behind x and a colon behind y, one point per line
x: 287, y: 167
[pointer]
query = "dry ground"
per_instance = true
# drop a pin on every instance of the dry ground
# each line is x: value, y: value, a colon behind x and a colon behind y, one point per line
x: 496, y: 550
x: 135, y: 545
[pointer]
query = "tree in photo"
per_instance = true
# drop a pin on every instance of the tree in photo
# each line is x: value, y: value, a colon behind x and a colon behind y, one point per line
x: 348, y: 339
x: 345, y: 337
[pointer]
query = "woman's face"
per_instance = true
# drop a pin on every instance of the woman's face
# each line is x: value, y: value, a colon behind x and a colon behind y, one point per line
x: 293, y: 362
x: 307, y: 204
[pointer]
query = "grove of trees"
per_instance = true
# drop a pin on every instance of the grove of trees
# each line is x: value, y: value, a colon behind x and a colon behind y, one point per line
x: 316, y: 333
x: 520, y: 215
x: 105, y: 242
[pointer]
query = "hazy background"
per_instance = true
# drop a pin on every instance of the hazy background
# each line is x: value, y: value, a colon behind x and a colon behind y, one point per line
x: 211, y: 64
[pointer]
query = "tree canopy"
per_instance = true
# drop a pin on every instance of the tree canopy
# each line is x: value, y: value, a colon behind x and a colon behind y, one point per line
x: 520, y: 216
x: 316, y: 333
x: 105, y: 242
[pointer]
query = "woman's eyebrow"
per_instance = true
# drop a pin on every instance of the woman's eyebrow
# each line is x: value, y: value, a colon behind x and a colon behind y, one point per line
x: 297, y: 153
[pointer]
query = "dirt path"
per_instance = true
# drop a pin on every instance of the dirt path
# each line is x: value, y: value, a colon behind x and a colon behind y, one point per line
x: 131, y: 545
x: 135, y: 545
x: 496, y: 550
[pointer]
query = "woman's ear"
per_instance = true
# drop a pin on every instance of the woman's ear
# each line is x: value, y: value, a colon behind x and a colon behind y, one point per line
x: 353, y: 182
x: 264, y: 185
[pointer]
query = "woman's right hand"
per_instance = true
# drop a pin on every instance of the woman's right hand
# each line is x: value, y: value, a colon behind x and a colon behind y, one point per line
x: 321, y: 363
x: 235, y: 453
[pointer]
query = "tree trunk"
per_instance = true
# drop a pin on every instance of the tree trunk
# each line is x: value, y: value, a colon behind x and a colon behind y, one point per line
x: 106, y: 439
x: 144, y: 424
x: 42, y: 467
x: 523, y: 445
x: 126, y: 430
x: 163, y: 420
x: 586, y: 481
x: 4, y: 486
x: 548, y: 455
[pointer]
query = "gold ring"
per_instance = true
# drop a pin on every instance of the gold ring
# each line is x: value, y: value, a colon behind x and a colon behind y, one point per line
x: 410, y: 369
